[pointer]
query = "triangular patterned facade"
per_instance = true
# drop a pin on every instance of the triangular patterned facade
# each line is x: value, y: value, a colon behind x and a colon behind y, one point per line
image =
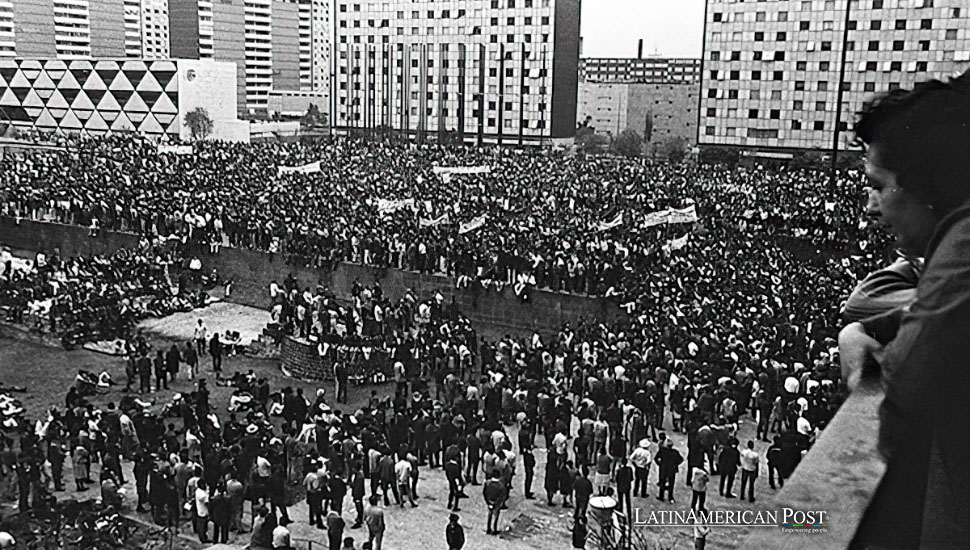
x: 94, y: 97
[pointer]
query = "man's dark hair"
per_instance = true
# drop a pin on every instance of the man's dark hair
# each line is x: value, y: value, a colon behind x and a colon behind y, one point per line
x: 923, y: 135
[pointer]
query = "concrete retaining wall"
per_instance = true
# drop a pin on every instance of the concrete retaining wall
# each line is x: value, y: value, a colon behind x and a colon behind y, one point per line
x: 493, y: 313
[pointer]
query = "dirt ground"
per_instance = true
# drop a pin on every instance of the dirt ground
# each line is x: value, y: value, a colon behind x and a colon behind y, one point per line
x: 48, y: 371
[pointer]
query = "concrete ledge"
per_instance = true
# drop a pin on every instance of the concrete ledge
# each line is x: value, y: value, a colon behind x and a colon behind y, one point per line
x: 491, y: 312
x: 840, y: 474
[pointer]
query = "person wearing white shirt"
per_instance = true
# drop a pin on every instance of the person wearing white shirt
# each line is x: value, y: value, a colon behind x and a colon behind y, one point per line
x: 402, y: 471
x: 749, y: 470
x: 202, y: 511
x: 640, y: 459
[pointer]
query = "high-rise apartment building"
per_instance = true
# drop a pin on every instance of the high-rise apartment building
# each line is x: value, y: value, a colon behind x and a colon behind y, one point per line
x: 275, y: 44
x: 487, y: 70
x: 83, y: 29
x: 639, y: 69
x: 771, y: 70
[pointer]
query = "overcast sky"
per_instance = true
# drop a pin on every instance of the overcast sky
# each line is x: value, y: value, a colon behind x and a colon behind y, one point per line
x: 671, y: 28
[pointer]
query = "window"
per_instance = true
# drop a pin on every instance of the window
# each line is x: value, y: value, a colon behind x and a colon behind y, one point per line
x: 711, y: 112
x: 781, y: 37
x: 853, y: 25
x: 760, y: 36
x: 752, y: 113
x: 875, y: 25
x: 951, y: 34
x: 823, y: 86
x: 711, y: 93
x: 804, y: 25
x: 873, y: 45
x: 714, y: 74
x: 898, y: 45
x: 956, y: 13
x: 900, y: 24
x: 870, y: 87
x: 797, y: 105
x: 735, y: 56
x: 924, y: 45
x: 760, y: 16
x: 778, y: 75
x: 819, y: 105
x: 823, y: 66
x: 796, y: 125
x: 801, y: 66
x: 820, y: 125
x: 800, y: 85
x: 757, y: 56
x: 921, y: 66
x: 775, y: 114
x: 826, y: 46
x: 926, y: 24
x: 715, y: 56
x: 896, y: 66
x: 877, y: 4
x: 717, y: 17
x: 872, y: 66
x: 735, y: 75
x: 755, y: 75
x: 732, y: 94
x: 709, y: 131
x: 776, y: 95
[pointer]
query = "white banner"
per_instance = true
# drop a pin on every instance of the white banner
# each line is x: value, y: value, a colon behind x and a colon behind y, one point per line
x: 683, y: 215
x: 305, y: 169
x: 615, y: 222
x: 439, y: 170
x: 472, y: 225
x: 385, y: 206
x: 444, y: 218
x: 175, y: 149
x: 656, y: 218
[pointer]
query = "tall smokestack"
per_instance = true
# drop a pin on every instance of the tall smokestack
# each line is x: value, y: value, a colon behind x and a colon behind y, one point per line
x: 640, y: 49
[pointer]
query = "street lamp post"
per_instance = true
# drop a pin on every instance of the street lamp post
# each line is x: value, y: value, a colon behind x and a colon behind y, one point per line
x: 841, y: 93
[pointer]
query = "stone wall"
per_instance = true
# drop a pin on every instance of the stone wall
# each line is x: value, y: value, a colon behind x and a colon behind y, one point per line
x: 493, y: 313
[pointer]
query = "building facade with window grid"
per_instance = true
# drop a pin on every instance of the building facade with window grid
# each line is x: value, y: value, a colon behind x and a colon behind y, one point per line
x: 277, y: 45
x: 487, y: 70
x: 639, y: 69
x: 770, y: 73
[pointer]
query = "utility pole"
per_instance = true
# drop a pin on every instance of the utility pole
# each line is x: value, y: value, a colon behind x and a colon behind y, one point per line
x: 841, y: 93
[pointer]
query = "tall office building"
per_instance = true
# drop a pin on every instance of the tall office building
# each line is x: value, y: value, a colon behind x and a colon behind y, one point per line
x: 639, y: 69
x: 488, y: 70
x: 771, y: 70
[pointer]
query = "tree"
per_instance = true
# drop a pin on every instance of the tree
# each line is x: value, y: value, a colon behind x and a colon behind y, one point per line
x: 588, y: 141
x: 198, y: 122
x: 674, y: 149
x: 628, y: 143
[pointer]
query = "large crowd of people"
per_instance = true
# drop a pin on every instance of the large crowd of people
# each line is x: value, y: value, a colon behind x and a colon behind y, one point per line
x: 731, y: 319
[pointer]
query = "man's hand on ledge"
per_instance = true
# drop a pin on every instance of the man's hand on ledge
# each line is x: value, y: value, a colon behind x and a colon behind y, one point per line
x: 856, y: 351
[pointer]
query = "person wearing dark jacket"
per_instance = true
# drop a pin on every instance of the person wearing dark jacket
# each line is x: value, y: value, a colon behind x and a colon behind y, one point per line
x: 215, y: 350
x: 335, y: 529
x: 455, y: 483
x: 669, y: 460
x: 495, y: 493
x: 727, y: 466
x: 529, y: 462
x: 220, y: 512
x: 583, y: 488
x: 172, y: 359
x: 454, y: 533
x: 357, y: 493
x: 624, y: 484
